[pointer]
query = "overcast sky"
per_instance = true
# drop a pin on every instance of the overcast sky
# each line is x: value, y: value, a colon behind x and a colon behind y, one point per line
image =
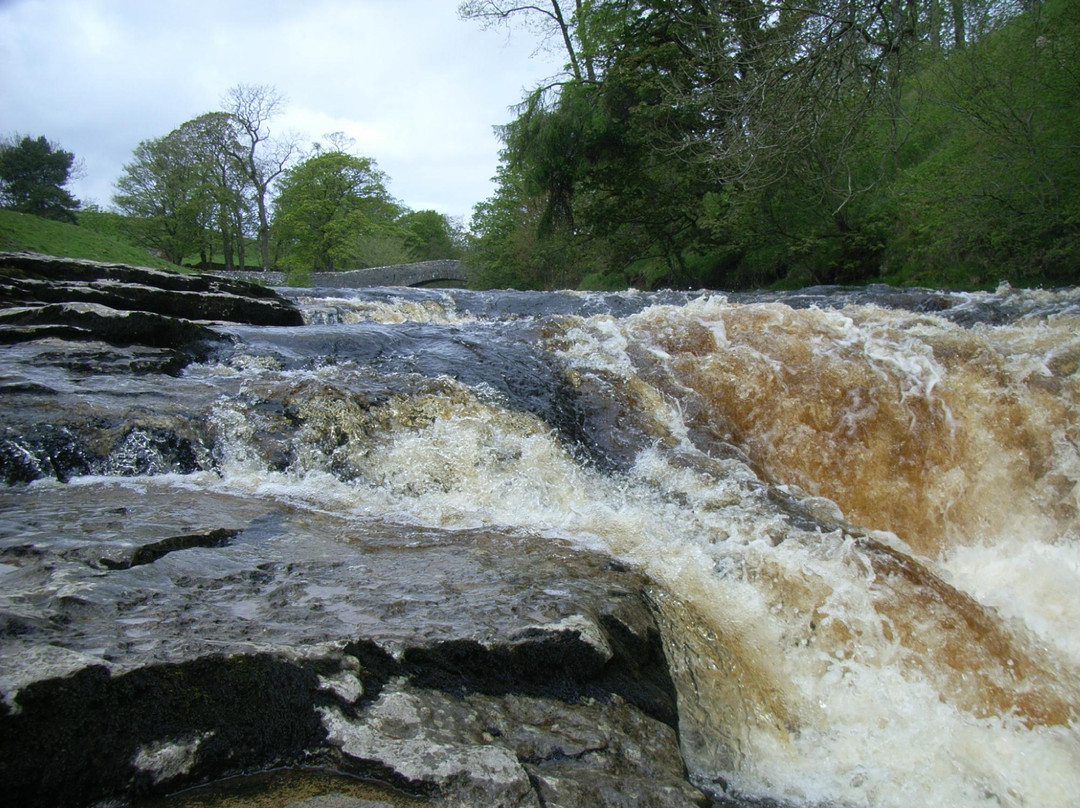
x: 418, y: 89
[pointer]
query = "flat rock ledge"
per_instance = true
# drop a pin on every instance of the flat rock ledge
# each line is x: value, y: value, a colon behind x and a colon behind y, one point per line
x: 48, y: 297
x: 155, y: 640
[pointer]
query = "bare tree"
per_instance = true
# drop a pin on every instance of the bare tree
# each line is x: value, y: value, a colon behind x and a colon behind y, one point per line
x: 548, y: 18
x: 259, y: 157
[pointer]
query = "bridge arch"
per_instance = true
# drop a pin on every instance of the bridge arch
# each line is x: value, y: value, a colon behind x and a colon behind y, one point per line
x: 421, y: 273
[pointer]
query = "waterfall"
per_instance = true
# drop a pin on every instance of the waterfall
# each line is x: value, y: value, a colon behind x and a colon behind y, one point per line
x: 860, y: 508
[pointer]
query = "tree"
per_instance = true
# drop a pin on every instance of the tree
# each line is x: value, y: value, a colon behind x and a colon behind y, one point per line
x: 260, y: 158
x: 188, y: 192
x: 208, y: 141
x: 690, y: 135
x: 329, y: 207
x: 166, y: 191
x: 990, y: 180
x: 599, y: 153
x: 811, y: 112
x: 549, y: 18
x: 33, y: 173
x: 506, y: 249
x: 431, y: 235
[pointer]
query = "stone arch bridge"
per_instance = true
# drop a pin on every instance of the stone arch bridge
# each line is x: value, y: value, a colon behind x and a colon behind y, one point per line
x: 422, y: 273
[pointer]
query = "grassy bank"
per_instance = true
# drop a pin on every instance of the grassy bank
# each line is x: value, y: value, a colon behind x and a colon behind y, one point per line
x: 24, y: 233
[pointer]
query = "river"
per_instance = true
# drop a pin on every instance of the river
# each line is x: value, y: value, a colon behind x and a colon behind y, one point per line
x: 862, y: 506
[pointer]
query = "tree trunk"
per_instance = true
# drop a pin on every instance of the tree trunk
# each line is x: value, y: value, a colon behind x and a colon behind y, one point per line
x: 564, y: 29
x: 585, y: 41
x: 226, y: 238
x: 264, y: 229
x: 933, y: 24
x: 959, y: 24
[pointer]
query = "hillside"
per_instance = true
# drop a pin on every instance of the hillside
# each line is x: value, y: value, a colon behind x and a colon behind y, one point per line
x: 22, y: 232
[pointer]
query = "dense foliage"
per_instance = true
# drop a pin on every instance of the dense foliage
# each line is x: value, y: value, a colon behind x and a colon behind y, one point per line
x: 329, y: 208
x: 162, y: 190
x: 733, y: 143
x: 33, y: 173
x: 333, y: 212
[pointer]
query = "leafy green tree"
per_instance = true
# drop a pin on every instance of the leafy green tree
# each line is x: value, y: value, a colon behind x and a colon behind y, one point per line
x: 990, y: 178
x: 33, y: 173
x: 332, y: 211
x: 599, y: 158
x: 165, y: 191
x: 750, y: 142
x: 189, y: 192
x: 506, y: 249
x: 208, y: 142
x: 431, y: 235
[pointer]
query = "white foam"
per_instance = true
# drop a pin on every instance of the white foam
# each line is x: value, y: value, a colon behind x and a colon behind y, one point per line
x: 333, y: 310
x: 1029, y: 581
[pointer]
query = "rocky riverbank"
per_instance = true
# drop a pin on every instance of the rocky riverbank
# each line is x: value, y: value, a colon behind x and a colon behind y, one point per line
x: 156, y: 635
x: 43, y: 297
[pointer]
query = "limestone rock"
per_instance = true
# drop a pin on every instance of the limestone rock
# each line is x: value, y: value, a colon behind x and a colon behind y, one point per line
x: 63, y: 319
x: 142, y: 651
x: 515, y: 750
x: 33, y: 278
x: 43, y: 297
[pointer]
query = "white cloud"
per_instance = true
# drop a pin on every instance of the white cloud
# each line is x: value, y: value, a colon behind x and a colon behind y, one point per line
x: 418, y: 89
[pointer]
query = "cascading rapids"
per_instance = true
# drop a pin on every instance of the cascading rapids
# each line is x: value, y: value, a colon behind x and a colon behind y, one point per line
x: 862, y: 522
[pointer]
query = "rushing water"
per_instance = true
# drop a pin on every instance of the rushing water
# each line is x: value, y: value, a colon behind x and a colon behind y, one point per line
x: 862, y: 507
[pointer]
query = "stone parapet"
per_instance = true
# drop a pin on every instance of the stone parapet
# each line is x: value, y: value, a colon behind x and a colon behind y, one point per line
x: 415, y: 274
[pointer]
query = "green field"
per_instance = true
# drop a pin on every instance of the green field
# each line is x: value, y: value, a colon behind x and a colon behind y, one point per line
x: 20, y: 232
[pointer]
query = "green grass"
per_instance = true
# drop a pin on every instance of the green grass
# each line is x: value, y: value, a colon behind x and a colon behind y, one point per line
x: 20, y: 232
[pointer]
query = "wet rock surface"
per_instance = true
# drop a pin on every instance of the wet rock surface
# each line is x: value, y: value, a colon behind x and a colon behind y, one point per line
x: 73, y: 409
x: 94, y: 330
x: 29, y: 278
x: 153, y: 637
x: 43, y: 297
